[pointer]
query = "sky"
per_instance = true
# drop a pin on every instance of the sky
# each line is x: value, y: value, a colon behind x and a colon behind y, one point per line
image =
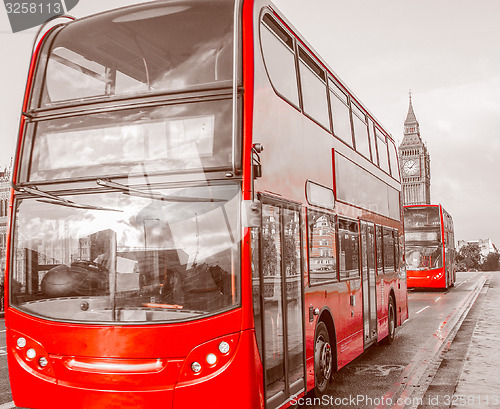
x: 447, y: 52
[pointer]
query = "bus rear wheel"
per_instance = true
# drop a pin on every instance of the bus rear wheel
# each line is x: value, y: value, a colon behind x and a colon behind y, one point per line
x: 323, y: 359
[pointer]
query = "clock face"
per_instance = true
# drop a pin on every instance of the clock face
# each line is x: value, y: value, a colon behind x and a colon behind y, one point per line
x: 411, y: 167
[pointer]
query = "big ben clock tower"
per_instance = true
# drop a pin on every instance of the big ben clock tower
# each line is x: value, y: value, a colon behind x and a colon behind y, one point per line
x: 415, y: 163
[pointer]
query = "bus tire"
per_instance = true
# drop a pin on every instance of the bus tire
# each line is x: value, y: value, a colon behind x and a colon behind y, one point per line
x: 391, y: 322
x: 323, y: 360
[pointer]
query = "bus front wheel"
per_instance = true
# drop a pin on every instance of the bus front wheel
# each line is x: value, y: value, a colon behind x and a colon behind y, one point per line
x: 323, y: 359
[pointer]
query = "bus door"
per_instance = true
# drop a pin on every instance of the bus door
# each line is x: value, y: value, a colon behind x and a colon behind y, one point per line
x: 369, y: 282
x: 280, y: 312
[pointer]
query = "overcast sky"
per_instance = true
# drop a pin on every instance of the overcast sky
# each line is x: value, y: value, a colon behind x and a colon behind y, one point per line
x: 446, y: 51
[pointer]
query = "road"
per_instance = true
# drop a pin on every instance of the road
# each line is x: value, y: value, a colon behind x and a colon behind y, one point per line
x: 384, y: 377
x: 397, y: 376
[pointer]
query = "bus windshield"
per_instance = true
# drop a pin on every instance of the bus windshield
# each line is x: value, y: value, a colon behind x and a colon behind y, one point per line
x: 123, y: 256
x: 422, y: 257
x: 150, y: 48
x: 422, y: 217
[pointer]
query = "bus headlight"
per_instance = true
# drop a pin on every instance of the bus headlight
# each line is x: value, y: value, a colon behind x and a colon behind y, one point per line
x: 224, y: 347
x: 31, y: 353
x: 211, y: 359
x: 196, y: 367
x: 21, y: 342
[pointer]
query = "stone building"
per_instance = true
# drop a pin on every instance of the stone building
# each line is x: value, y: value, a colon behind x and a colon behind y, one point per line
x: 485, y: 245
x: 415, y: 163
x: 4, y: 210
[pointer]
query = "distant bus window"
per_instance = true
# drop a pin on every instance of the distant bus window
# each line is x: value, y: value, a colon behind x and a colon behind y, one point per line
x: 277, y: 47
x: 360, y: 131
x: 322, y: 248
x: 340, y: 114
x: 382, y: 151
x: 312, y: 79
x: 348, y: 249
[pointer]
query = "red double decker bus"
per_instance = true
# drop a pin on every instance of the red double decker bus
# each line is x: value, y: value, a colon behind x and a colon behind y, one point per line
x: 203, y: 215
x: 430, y: 247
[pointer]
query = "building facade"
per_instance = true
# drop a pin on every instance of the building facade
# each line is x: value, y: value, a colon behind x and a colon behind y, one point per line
x: 415, y: 163
x: 4, y: 212
x: 485, y: 245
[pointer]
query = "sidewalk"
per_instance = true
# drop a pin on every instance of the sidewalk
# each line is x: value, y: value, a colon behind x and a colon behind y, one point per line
x: 479, y: 383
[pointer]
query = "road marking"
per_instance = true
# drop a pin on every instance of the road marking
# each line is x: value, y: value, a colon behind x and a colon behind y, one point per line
x: 437, y: 299
x: 463, y: 282
x: 378, y: 370
x: 7, y: 405
x: 418, y: 312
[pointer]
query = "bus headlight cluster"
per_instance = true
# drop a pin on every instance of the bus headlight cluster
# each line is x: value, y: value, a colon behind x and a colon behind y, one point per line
x: 211, y: 358
x: 32, y: 353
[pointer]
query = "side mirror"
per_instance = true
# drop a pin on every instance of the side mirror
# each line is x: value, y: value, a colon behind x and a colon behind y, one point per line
x: 251, y: 213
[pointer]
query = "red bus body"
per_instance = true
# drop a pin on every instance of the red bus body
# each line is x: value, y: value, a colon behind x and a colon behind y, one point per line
x: 423, y: 270
x: 310, y: 226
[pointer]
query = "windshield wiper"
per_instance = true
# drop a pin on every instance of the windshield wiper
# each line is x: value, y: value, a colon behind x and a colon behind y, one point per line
x: 154, y: 195
x: 50, y: 198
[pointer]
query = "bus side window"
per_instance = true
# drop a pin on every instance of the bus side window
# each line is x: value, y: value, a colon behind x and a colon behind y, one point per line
x: 279, y: 58
x: 340, y: 113
x: 393, y: 156
x: 389, y: 262
x: 360, y: 130
x: 348, y: 249
x: 382, y: 151
x: 322, y: 247
x: 313, y: 85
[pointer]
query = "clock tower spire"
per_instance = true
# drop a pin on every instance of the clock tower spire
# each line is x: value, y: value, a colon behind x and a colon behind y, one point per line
x: 415, y: 162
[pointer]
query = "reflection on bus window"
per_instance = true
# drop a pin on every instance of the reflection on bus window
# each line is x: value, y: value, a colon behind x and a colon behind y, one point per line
x: 322, y: 247
x: 277, y: 48
x: 418, y: 217
x: 423, y: 257
x: 180, y: 137
x: 132, y: 51
x: 348, y: 249
x: 132, y: 258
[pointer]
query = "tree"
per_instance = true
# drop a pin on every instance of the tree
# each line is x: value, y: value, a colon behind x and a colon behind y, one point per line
x: 491, y: 262
x: 469, y: 256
